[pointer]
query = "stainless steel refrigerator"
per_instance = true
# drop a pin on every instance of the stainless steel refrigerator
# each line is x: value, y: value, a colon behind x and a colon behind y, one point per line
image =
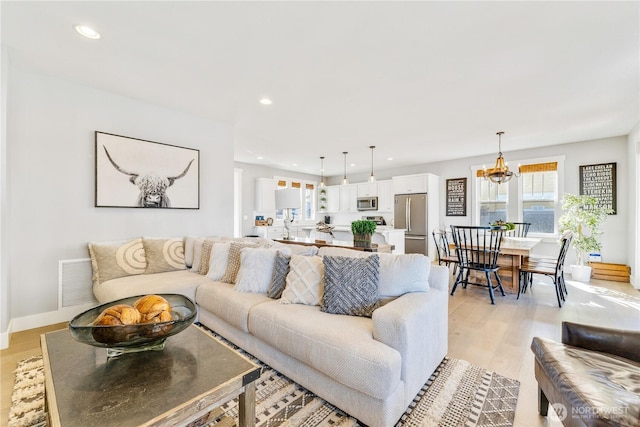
x: 410, y: 214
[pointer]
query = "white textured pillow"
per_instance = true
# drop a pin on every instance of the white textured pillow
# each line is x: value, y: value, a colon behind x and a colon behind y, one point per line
x: 197, y: 254
x: 305, y: 281
x: 256, y: 269
x: 218, y: 260
x: 401, y: 274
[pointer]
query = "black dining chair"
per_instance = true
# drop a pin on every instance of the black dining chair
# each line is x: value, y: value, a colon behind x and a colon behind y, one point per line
x: 477, y: 249
x: 444, y: 250
x: 521, y: 230
x: 550, y: 267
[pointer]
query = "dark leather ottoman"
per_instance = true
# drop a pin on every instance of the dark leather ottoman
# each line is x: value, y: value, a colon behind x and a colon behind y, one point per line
x: 592, y: 378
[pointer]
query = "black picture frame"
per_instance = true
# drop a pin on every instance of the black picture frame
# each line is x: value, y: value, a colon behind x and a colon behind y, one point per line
x: 136, y: 173
x: 456, y: 197
x: 600, y: 181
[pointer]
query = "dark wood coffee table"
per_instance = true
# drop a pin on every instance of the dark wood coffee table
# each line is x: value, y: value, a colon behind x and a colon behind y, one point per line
x: 194, y: 374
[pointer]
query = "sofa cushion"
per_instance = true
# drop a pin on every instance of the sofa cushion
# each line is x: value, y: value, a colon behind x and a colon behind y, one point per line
x: 163, y: 255
x: 279, y: 276
x: 256, y: 269
x: 350, y: 285
x: 218, y: 260
x: 228, y: 304
x: 110, y: 260
x: 233, y: 262
x: 304, y: 283
x: 341, y: 347
x: 401, y: 274
x: 182, y: 282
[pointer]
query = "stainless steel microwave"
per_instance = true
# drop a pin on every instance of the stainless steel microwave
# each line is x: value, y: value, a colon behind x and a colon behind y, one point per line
x: 367, y: 203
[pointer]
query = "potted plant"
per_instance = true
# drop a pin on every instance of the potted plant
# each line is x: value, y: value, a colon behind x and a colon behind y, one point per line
x: 362, y: 231
x: 583, y: 218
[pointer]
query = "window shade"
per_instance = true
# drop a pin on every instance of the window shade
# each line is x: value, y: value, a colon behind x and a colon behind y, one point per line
x: 295, y: 185
x: 309, y: 186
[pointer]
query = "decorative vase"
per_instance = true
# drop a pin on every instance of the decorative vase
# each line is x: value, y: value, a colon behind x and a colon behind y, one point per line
x: 362, y: 240
x: 581, y: 273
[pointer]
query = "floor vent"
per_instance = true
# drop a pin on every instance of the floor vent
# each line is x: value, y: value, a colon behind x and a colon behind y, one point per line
x: 74, y: 282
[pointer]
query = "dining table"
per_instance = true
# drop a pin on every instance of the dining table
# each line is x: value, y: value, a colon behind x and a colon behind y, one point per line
x: 512, y: 251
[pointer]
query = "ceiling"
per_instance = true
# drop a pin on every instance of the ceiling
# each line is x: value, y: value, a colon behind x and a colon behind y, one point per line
x: 422, y: 81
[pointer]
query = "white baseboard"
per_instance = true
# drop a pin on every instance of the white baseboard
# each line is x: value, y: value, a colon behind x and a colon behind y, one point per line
x: 4, y: 337
x: 632, y: 280
x: 41, y: 319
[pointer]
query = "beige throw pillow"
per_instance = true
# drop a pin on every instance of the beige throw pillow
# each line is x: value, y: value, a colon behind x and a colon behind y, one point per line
x: 206, y: 255
x: 163, y: 255
x: 233, y: 263
x: 305, y: 281
x: 110, y: 260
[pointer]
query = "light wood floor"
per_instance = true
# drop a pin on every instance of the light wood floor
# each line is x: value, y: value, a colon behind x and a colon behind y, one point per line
x: 496, y: 337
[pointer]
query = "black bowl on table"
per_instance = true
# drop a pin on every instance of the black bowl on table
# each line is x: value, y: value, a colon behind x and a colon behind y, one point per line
x: 132, y: 338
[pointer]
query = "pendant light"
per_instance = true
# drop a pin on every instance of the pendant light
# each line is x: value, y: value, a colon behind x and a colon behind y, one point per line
x: 500, y: 173
x: 372, y: 178
x: 344, y: 178
x: 322, y: 171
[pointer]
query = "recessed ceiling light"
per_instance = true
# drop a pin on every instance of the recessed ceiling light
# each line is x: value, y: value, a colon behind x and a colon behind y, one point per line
x: 88, y: 32
x: 260, y: 157
x: 352, y: 164
x: 266, y: 101
x: 389, y: 158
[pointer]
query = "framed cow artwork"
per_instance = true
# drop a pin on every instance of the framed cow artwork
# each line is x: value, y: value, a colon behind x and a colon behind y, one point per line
x: 134, y: 173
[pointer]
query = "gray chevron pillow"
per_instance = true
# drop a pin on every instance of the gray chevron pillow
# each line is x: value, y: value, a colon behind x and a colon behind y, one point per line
x: 278, y: 278
x: 351, y: 285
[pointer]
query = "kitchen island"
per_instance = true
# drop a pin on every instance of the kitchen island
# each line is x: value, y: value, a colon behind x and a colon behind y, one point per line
x: 384, y: 235
x: 375, y: 247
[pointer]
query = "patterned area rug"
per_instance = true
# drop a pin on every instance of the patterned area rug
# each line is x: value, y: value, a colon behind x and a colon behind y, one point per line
x: 457, y: 394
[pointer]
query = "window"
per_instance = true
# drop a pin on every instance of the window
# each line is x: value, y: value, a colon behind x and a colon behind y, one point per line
x: 534, y: 197
x: 539, y: 196
x: 307, y: 195
x: 494, y: 199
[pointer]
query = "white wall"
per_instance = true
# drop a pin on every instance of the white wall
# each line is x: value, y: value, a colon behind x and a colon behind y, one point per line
x: 50, y: 144
x: 249, y: 174
x: 4, y: 208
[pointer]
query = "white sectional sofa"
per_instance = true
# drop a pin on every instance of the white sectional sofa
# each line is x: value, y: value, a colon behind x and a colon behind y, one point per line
x: 370, y: 367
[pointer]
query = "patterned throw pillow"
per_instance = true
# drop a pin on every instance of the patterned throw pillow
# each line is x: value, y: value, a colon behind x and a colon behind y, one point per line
x: 218, y: 260
x: 279, y: 276
x: 205, y: 256
x: 351, y: 285
x: 233, y: 263
x: 304, y: 281
x: 163, y: 255
x: 110, y: 260
x: 256, y: 269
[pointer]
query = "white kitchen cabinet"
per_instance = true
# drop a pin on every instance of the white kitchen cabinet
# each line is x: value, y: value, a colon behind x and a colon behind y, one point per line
x: 368, y: 189
x: 385, y: 196
x: 348, y: 198
x: 270, y: 232
x: 265, y: 194
x: 333, y: 198
x: 411, y: 184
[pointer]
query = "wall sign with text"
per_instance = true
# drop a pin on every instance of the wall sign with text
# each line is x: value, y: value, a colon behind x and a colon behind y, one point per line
x: 457, y: 197
x: 599, y: 181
